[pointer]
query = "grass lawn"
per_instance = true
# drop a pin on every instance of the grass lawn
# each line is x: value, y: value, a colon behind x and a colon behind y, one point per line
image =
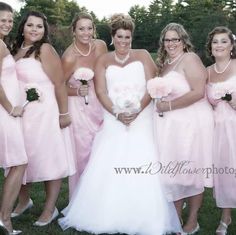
x: 208, y: 218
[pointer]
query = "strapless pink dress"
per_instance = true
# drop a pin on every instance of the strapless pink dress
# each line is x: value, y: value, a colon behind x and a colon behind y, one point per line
x: 224, y: 151
x: 184, y: 142
x: 12, y: 148
x: 86, y: 121
x: 48, y: 147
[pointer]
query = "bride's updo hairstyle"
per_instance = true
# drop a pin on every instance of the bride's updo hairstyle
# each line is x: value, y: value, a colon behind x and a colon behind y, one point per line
x: 121, y: 21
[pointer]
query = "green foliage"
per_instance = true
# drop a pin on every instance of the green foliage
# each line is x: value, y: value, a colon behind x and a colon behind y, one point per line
x: 198, y: 17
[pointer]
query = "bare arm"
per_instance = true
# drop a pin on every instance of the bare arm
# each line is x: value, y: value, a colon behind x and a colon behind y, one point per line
x: 51, y: 64
x: 100, y: 84
x: 196, y: 75
x: 150, y: 72
x: 16, y: 111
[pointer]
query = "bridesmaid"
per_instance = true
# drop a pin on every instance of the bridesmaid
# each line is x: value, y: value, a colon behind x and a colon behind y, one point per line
x: 86, y: 118
x: 184, y: 133
x: 222, y: 79
x: 48, y: 147
x: 12, y: 151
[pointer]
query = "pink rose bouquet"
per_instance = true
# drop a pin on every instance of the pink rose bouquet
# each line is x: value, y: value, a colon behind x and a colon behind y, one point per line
x: 84, y: 75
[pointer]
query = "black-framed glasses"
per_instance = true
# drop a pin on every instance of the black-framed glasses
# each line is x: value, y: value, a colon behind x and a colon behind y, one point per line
x: 173, y: 40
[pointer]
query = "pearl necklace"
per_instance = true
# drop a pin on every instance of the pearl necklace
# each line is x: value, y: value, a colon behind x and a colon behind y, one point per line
x: 171, y: 62
x: 24, y: 48
x: 121, y: 61
x: 81, y: 53
x: 217, y: 71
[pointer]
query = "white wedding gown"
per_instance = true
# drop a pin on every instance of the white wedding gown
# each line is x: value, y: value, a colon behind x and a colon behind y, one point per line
x: 106, y: 201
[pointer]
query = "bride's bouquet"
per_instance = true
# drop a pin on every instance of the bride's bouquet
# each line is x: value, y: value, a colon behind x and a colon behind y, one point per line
x: 129, y: 104
x: 32, y: 93
x: 159, y: 89
x: 84, y: 75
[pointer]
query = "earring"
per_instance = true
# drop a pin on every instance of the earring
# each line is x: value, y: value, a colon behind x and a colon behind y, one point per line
x: 111, y: 42
x: 231, y: 53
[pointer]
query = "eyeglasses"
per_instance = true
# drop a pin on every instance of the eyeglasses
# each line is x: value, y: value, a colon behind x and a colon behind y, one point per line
x: 173, y: 40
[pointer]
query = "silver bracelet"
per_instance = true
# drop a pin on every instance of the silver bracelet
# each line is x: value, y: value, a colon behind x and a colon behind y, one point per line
x: 11, y: 112
x: 64, y: 114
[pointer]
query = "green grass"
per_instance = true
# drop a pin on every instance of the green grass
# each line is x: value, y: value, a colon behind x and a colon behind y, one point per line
x: 208, y: 218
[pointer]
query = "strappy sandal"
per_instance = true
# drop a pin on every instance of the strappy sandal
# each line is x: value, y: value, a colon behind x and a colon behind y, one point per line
x: 223, y: 228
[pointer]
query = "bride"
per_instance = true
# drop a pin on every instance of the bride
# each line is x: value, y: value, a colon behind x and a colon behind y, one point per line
x: 117, y: 192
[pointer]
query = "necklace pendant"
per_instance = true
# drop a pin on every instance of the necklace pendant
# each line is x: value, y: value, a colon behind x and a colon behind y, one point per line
x: 121, y: 61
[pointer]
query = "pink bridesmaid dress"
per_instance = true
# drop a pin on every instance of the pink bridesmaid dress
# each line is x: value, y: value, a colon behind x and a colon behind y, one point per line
x: 12, y: 148
x: 48, y: 147
x: 86, y: 121
x: 184, y: 143
x: 224, y: 153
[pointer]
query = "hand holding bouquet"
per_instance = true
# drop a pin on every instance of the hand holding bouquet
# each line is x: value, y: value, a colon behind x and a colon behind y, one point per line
x: 84, y: 75
x: 222, y: 91
x: 32, y: 93
x: 127, y: 102
x: 159, y: 88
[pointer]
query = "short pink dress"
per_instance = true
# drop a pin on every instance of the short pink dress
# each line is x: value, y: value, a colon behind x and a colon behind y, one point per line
x: 184, y: 142
x: 86, y: 121
x: 12, y: 148
x: 224, y: 153
x: 48, y: 147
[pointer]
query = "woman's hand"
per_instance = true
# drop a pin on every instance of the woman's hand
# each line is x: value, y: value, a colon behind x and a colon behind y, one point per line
x: 83, y: 90
x: 232, y: 102
x: 64, y: 120
x: 163, y: 106
x: 17, y: 111
x: 127, y: 118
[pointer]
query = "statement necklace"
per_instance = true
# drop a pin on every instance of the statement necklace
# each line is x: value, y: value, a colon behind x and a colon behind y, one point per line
x: 121, y: 61
x: 26, y: 47
x: 81, y: 53
x: 217, y: 71
x: 171, y: 62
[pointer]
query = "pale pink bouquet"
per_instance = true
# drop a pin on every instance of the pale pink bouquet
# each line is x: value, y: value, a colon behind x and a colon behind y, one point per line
x: 33, y: 93
x: 84, y: 75
x: 159, y: 88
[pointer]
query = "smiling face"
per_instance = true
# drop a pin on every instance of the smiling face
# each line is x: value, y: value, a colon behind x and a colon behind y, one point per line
x: 84, y: 31
x: 33, y: 30
x: 6, y: 23
x: 122, y: 41
x: 221, y: 46
x: 173, y: 44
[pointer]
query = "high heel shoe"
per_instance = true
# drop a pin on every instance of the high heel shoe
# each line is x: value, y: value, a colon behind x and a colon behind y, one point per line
x: 195, y: 230
x: 54, y: 216
x: 223, y: 228
x: 28, y: 206
x: 6, y: 232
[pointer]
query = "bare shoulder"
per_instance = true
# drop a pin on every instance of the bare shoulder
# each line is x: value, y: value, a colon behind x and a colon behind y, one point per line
x: 141, y: 52
x: 48, y: 50
x: 69, y: 55
x: 99, y: 43
x: 191, y: 57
